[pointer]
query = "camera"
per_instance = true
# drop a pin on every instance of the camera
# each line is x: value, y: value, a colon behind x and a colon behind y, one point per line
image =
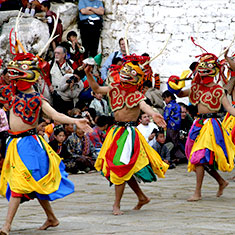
x: 72, y: 78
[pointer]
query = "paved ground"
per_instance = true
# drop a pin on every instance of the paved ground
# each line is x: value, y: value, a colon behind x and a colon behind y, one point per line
x: 88, y: 210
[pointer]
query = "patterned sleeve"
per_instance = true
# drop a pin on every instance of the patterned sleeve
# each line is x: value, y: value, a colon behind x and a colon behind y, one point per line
x: 6, y: 94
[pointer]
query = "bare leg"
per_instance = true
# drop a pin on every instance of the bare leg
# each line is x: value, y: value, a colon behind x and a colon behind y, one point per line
x: 12, y: 209
x: 119, y: 189
x: 143, y: 199
x: 199, y: 178
x: 51, y: 221
x: 222, y: 183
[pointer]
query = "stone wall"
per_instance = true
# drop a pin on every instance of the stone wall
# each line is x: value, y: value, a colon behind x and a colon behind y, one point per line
x: 211, y: 22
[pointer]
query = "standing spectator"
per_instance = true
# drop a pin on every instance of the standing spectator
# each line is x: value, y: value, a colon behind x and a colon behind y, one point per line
x: 172, y: 116
x: 146, y: 128
x: 99, y: 104
x: 90, y: 24
x: 82, y: 151
x: 121, y: 53
x: 74, y: 49
x: 46, y: 5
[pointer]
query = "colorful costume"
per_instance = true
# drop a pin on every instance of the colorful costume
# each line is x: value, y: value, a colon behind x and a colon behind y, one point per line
x: 125, y: 151
x: 31, y: 168
x: 208, y: 142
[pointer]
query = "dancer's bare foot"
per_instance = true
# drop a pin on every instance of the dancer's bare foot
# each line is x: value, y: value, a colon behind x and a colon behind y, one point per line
x: 221, y: 188
x: 49, y: 223
x: 194, y: 198
x: 117, y: 211
x: 141, y: 203
x: 5, y: 230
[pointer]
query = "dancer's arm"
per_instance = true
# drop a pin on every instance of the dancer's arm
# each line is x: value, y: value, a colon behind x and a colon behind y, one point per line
x: 62, y: 118
x: 93, y: 84
x: 228, y: 106
x: 157, y: 117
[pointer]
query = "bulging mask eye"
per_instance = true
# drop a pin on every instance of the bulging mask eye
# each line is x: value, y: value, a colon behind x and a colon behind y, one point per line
x: 11, y: 62
x: 133, y: 72
x: 210, y: 66
x: 25, y: 66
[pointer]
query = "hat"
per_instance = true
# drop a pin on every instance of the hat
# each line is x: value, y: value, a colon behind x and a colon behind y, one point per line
x: 98, y: 59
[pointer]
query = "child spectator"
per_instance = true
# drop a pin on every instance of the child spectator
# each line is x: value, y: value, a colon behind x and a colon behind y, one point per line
x: 162, y: 148
x: 99, y: 104
x: 172, y: 116
x: 74, y: 49
x: 50, y: 21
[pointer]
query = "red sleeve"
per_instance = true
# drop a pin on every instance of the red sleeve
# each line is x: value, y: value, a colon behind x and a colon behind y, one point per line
x: 46, y: 72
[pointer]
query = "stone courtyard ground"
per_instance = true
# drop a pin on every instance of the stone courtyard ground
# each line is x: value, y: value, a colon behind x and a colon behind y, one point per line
x: 88, y: 210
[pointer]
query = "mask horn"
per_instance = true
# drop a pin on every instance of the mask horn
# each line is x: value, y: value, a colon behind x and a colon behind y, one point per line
x: 17, y: 41
x: 147, y: 62
x: 125, y: 39
x: 52, y: 34
x: 227, y: 48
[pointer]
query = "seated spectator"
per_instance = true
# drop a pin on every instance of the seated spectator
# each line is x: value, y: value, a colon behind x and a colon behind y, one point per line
x: 4, y: 127
x: 75, y: 112
x: 49, y: 128
x: 75, y: 51
x: 4, y: 78
x: 45, y: 7
x: 41, y: 129
x: 186, y: 123
x: 99, y: 104
x: 98, y: 135
x: 69, y: 90
x: 68, y: 130
x: 90, y: 115
x: 154, y: 95
x: 82, y: 151
x: 162, y: 148
x: 58, y: 144
x: 172, y: 116
x: 146, y: 128
x: 86, y: 94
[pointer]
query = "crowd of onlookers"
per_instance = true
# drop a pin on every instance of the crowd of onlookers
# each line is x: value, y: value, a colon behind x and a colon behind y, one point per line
x: 66, y: 88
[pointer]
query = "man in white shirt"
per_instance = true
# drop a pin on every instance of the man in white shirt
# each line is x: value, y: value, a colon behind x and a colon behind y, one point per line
x: 146, y: 128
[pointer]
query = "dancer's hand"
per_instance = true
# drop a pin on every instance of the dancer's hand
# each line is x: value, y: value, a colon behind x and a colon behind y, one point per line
x: 83, y: 124
x: 159, y: 120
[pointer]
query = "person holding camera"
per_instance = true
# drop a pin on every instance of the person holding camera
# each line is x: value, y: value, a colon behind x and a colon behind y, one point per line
x: 69, y: 90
